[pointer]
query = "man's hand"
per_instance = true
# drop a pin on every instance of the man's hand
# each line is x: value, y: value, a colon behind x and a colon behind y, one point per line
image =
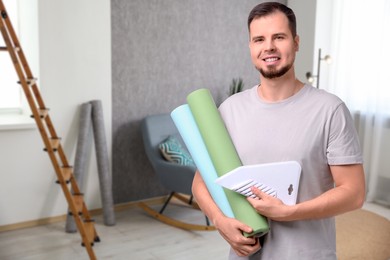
x: 231, y: 230
x: 268, y: 206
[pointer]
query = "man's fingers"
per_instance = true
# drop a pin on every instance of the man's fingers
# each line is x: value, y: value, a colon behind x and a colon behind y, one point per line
x: 246, y: 229
x: 247, y: 250
x: 258, y: 192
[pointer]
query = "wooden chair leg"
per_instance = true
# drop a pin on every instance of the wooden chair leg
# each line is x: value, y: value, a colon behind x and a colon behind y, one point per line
x: 174, y: 222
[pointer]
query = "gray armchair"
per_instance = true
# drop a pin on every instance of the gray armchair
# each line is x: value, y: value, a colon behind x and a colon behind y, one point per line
x: 175, y: 177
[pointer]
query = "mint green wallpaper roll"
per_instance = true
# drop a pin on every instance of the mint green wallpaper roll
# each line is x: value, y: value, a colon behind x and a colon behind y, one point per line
x: 223, y: 155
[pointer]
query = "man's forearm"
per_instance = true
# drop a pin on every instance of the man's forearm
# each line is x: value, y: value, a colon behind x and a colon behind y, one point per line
x: 329, y: 204
x: 204, y: 199
x: 347, y: 195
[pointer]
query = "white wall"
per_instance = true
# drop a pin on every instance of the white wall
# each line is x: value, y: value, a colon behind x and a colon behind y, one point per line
x: 74, y: 67
x: 305, y: 12
x: 322, y: 39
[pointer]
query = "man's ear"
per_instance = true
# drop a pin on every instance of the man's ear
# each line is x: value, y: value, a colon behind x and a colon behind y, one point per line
x: 296, y: 41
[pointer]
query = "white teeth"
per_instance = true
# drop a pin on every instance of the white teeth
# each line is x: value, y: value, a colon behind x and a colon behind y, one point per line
x: 271, y: 59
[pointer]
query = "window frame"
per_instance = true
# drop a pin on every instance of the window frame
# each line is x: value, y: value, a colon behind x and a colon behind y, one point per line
x: 26, y: 26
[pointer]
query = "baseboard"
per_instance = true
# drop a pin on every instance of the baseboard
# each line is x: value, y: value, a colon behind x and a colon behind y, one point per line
x: 93, y: 212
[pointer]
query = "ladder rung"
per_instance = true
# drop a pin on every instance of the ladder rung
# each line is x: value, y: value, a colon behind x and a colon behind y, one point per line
x: 55, y: 143
x: 43, y: 113
x: 79, y: 202
x: 66, y: 174
x: 30, y: 81
x: 71, y: 214
x: 2, y: 48
x: 4, y: 14
x: 90, y: 232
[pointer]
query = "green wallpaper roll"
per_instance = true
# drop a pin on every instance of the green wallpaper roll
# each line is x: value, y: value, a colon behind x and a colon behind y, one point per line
x: 223, y: 155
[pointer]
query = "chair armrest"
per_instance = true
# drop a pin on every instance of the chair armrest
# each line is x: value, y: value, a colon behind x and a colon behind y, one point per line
x: 175, y: 177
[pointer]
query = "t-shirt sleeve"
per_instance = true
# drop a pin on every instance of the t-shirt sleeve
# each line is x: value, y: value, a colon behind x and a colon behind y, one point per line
x: 343, y: 144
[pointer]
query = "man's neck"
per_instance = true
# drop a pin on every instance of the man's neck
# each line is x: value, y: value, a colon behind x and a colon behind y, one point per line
x: 277, y: 89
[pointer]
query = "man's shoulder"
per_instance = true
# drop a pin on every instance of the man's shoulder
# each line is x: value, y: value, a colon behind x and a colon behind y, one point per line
x: 322, y: 96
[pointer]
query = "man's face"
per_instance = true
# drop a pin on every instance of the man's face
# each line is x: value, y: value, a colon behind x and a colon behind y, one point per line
x: 272, y: 46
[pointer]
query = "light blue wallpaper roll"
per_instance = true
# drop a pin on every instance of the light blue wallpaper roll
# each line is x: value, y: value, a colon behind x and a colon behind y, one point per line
x: 185, y: 123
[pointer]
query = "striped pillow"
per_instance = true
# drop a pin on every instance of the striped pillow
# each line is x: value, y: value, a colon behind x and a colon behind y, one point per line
x: 172, y: 150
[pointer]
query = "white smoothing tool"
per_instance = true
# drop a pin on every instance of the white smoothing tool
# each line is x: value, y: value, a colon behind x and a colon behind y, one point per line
x: 280, y: 179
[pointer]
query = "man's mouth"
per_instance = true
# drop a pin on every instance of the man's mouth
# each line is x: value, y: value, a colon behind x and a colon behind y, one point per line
x: 271, y: 59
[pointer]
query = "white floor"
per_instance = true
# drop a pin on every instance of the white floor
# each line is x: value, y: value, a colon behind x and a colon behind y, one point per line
x: 135, y: 236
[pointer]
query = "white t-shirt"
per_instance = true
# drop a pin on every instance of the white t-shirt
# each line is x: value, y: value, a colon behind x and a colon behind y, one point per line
x: 312, y: 127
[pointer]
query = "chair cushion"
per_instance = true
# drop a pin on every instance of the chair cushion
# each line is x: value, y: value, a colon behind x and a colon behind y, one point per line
x: 172, y: 150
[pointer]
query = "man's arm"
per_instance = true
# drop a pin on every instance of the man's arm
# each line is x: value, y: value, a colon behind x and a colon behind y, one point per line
x: 230, y: 229
x: 348, y: 194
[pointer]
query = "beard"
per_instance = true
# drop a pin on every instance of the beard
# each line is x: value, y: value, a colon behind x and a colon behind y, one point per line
x: 272, y: 73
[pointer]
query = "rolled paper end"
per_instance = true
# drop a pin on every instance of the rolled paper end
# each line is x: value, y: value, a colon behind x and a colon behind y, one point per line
x: 257, y: 233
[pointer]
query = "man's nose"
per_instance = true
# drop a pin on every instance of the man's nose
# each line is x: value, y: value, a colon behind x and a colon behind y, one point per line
x: 270, y: 45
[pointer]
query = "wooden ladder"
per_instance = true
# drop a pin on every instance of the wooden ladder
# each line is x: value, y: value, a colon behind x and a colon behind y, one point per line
x: 52, y: 142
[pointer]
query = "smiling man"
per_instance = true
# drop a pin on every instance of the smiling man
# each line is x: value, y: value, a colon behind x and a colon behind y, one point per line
x: 274, y: 37
x: 283, y: 119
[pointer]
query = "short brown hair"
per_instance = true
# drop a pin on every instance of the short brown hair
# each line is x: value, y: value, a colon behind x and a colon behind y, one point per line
x: 267, y: 8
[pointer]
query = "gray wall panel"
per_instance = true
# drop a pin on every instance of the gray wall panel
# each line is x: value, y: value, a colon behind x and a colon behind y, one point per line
x: 161, y: 51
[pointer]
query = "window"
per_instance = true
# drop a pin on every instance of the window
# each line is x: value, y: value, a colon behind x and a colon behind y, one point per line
x: 14, y: 110
x: 358, y: 41
x: 10, y: 91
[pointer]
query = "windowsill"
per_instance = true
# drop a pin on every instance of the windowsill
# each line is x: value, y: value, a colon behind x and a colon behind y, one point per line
x: 16, y: 122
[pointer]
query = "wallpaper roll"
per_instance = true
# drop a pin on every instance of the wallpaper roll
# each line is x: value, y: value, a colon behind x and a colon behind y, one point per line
x: 223, y: 155
x: 105, y: 179
x: 84, y: 141
x: 185, y: 123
